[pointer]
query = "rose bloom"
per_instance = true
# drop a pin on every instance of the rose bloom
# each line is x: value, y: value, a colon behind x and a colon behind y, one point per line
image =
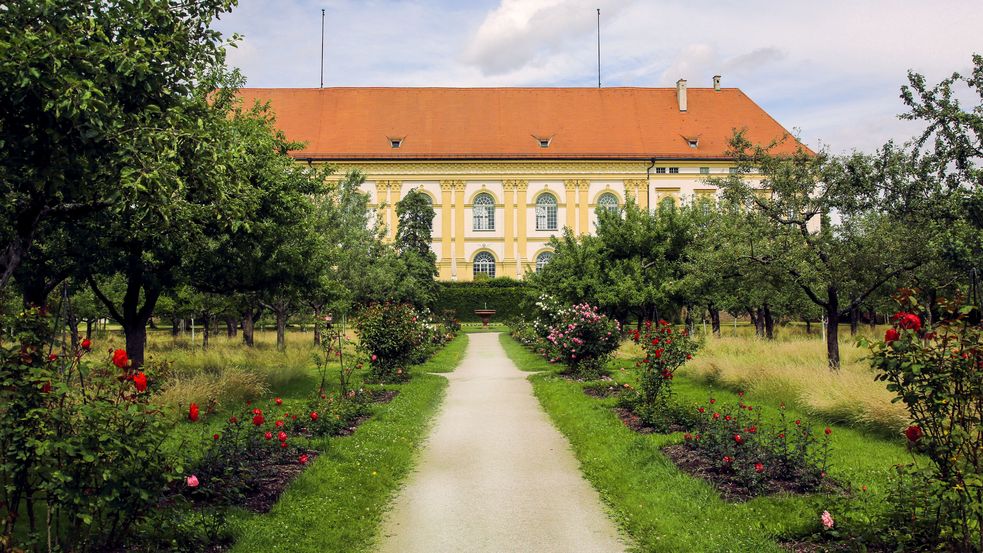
x: 268, y: 435
x: 86, y: 344
x: 314, y: 415
x: 914, y: 433
x: 828, y: 431
x: 120, y: 359
x: 302, y: 459
x: 827, y: 520
x: 908, y: 321
x: 758, y: 467
x: 258, y: 420
x: 192, y: 481
x: 278, y: 401
x: 282, y: 436
x: 738, y: 439
x: 215, y: 437
x: 140, y: 381
x: 891, y: 335
x: 193, y: 412
x: 279, y: 424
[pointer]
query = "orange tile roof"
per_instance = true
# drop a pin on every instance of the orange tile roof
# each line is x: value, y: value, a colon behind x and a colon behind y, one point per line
x: 505, y: 123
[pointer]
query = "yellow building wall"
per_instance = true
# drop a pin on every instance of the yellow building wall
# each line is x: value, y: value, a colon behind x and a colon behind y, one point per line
x: 515, y: 241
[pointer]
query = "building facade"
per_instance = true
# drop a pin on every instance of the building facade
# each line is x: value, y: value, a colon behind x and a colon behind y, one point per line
x: 507, y: 169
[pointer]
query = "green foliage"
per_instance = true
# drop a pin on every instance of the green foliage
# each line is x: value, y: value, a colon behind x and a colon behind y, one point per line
x: 508, y: 297
x: 78, y: 441
x: 332, y: 414
x: 937, y: 371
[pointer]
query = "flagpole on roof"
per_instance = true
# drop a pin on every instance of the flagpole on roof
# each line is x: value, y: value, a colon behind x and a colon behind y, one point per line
x: 322, y: 47
x: 598, y: 47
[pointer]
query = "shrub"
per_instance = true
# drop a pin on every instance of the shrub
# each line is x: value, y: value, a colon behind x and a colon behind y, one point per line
x: 330, y: 414
x: 79, y: 439
x: 665, y: 352
x: 937, y: 371
x: 508, y: 297
x: 734, y: 441
x: 583, y: 339
x: 390, y: 335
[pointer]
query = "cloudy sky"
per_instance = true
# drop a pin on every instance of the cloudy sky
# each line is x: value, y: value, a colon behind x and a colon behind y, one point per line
x: 831, y: 70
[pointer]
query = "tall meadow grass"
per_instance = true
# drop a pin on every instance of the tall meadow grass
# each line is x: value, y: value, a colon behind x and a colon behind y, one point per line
x: 793, y: 368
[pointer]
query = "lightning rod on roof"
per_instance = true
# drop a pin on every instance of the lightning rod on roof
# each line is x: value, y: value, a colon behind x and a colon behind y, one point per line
x: 322, y: 47
x: 598, y: 47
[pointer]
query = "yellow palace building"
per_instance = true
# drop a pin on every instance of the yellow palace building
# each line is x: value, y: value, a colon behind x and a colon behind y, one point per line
x: 508, y: 168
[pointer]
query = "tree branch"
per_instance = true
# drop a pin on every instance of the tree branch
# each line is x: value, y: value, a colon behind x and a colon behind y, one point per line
x: 113, y: 312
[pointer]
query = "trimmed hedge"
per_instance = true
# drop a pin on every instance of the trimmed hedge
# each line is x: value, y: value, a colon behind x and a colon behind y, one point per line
x: 510, y: 298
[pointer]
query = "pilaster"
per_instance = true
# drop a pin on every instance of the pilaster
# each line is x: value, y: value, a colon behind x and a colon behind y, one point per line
x: 521, y: 187
x: 446, y: 263
x: 571, y: 204
x: 584, y: 185
x: 395, y: 187
x: 461, y: 263
x: 508, y: 260
x: 382, y: 193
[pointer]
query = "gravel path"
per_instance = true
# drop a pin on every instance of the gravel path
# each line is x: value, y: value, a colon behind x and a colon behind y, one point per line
x: 495, y: 475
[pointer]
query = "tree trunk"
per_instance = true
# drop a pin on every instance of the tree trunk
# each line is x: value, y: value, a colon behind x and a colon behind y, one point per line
x: 769, y: 322
x: 872, y: 315
x: 175, y: 326
x: 73, y: 327
x: 317, y: 325
x: 205, y: 325
x: 136, y: 342
x: 854, y: 321
x: 88, y: 328
x: 231, y: 327
x: 248, y: 327
x: 689, y: 318
x: 715, y: 320
x: 281, y: 310
x: 832, y: 329
x: 808, y: 326
x: 758, y: 321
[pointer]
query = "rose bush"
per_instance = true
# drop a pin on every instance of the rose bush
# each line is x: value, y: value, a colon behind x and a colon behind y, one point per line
x: 666, y: 350
x: 582, y: 338
x: 79, y: 440
x: 936, y: 370
x: 390, y: 334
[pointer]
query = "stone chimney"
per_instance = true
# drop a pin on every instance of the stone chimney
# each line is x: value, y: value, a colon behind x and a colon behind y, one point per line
x: 681, y: 94
x: 716, y: 83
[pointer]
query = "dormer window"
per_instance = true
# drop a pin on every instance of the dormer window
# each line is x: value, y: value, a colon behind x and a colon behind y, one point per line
x: 544, y: 142
x: 395, y: 142
x: 693, y: 142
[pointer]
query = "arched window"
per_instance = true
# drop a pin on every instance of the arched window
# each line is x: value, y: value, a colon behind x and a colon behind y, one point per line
x: 542, y: 259
x: 484, y: 212
x: 484, y: 264
x: 546, y: 212
x: 429, y: 201
x: 608, y: 202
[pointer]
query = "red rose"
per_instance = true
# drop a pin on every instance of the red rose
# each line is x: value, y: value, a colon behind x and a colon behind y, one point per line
x: 716, y: 416
x: 193, y: 412
x: 758, y: 467
x: 667, y: 374
x: 712, y: 401
x: 140, y: 381
x: 752, y: 429
x: 268, y: 435
x: 282, y: 436
x: 687, y: 436
x: 914, y: 433
x: 727, y: 417
x: 908, y: 321
x: 283, y: 445
x: 258, y: 420
x: 279, y: 424
x: 215, y: 437
x: 53, y: 357
x: 658, y: 353
x: 278, y: 401
x: 798, y: 422
x: 233, y: 420
x: 257, y: 411
x: 689, y: 356
x: 727, y: 459
x: 738, y: 439
x: 655, y: 341
x: 313, y: 415
x: 740, y: 394
x: 829, y: 431
x: 700, y: 409
x: 302, y: 459
x: 120, y: 359
x: 86, y: 344
x: 891, y: 335
x: 46, y: 387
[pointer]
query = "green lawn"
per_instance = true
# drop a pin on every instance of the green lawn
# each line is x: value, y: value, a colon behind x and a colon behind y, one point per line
x: 339, y: 501
x: 665, y: 510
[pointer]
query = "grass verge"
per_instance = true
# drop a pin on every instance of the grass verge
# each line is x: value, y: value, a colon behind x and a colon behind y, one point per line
x: 666, y: 510
x: 339, y: 501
